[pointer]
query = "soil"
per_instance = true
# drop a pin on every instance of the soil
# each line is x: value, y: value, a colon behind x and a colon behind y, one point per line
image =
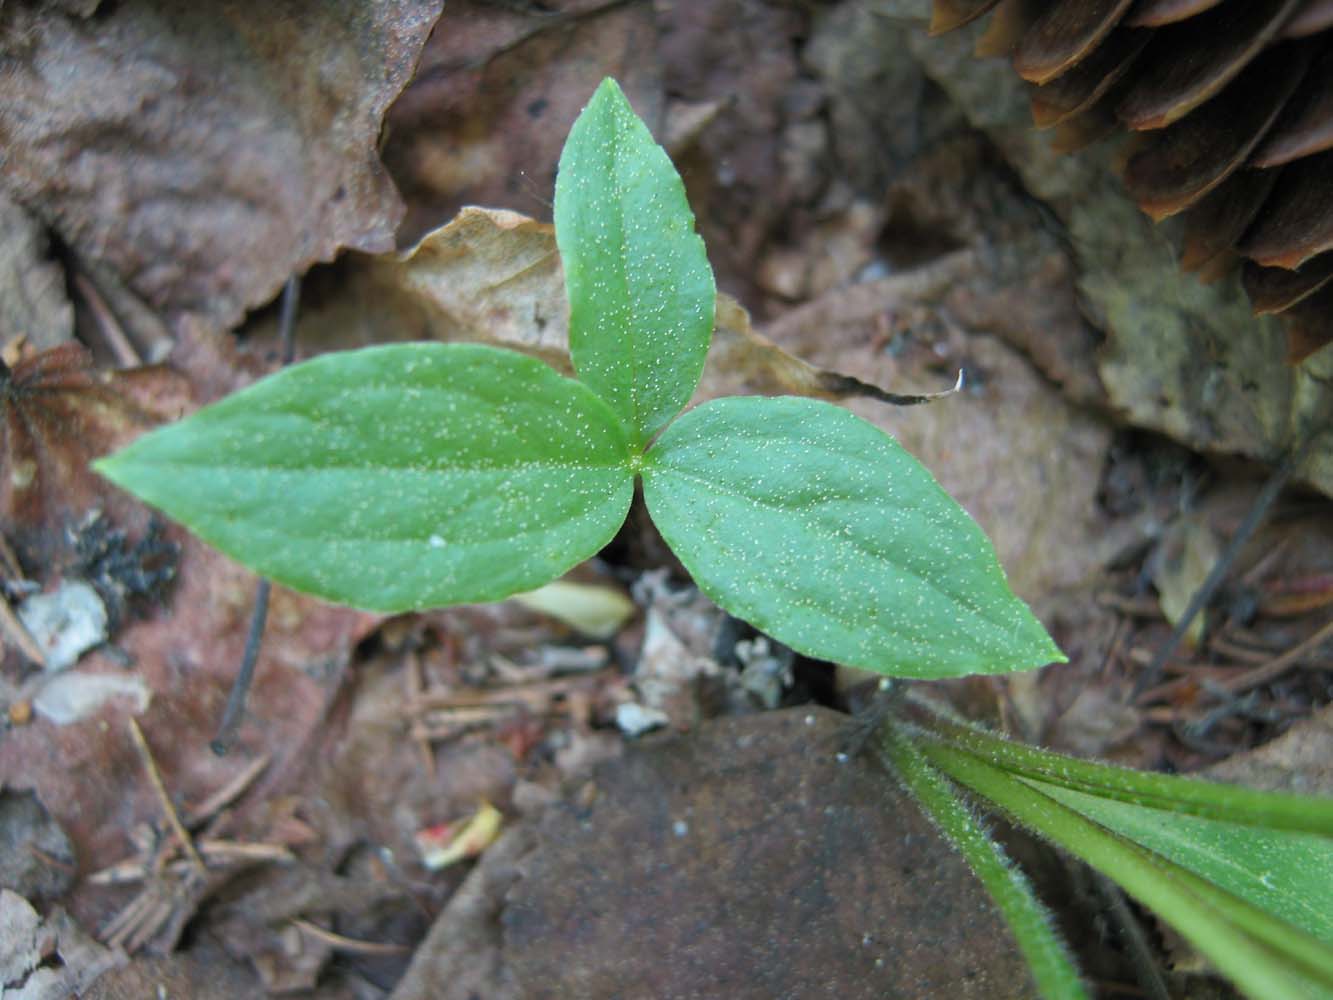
x: 412, y: 805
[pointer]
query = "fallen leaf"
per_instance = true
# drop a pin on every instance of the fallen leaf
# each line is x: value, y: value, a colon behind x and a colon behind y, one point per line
x: 32, y: 285
x: 47, y: 958
x: 497, y: 88
x: 1185, y: 556
x: 203, y: 155
x: 75, y: 695
x: 1297, y: 761
x: 462, y: 956
x: 65, y: 622
x: 59, y: 412
x: 593, y: 609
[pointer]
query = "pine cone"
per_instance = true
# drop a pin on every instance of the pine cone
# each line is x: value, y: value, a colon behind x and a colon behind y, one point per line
x: 1234, y: 100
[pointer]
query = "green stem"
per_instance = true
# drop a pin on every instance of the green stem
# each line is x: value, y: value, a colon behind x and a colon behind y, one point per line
x: 1212, y: 800
x: 1239, y: 939
x: 1052, y: 969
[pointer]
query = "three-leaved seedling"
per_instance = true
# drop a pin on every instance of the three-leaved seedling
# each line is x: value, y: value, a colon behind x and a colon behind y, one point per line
x: 423, y: 475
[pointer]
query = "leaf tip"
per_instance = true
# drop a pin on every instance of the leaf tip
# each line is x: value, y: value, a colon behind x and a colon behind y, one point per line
x: 106, y: 466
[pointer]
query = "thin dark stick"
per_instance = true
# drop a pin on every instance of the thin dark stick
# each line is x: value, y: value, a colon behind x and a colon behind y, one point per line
x: 291, y: 298
x: 1294, y: 459
x: 240, y: 689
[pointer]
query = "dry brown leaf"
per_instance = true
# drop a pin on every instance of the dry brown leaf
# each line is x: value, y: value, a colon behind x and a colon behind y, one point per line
x: 1297, y: 761
x: 203, y: 154
x: 32, y: 286
x: 499, y: 84
x: 59, y: 413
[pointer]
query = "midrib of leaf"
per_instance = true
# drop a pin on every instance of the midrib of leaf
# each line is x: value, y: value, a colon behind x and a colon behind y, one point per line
x: 311, y: 470
x: 413, y: 541
x: 632, y: 355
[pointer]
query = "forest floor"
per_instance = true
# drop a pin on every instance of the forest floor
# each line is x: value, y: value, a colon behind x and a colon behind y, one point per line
x: 395, y: 780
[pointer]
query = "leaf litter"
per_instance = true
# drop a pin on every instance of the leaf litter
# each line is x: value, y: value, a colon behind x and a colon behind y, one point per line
x: 870, y: 238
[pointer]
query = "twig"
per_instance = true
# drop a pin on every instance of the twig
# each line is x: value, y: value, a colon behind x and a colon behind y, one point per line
x: 227, y: 794
x: 534, y: 695
x: 1238, y: 652
x: 1278, y: 665
x: 416, y: 687
x: 155, y: 778
x: 9, y: 562
x: 216, y: 853
x: 291, y: 299
x: 240, y: 689
x: 1132, y: 607
x: 135, y: 914
x: 348, y: 944
x: 1294, y: 459
x: 127, y: 355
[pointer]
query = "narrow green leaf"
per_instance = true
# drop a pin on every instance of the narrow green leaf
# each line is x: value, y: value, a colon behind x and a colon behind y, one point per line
x: 409, y: 476
x: 1288, y: 874
x: 1053, y: 970
x: 1265, y: 957
x: 822, y: 531
x: 640, y: 289
x: 1176, y: 793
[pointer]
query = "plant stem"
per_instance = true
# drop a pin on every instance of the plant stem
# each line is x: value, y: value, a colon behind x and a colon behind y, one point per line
x: 1053, y: 970
x: 1264, y: 956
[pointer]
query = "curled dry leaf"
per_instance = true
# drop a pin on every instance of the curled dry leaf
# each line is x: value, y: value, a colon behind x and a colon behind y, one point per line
x: 494, y: 276
x: 231, y: 147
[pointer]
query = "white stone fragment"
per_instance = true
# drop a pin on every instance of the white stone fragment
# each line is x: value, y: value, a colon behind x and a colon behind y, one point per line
x: 66, y: 622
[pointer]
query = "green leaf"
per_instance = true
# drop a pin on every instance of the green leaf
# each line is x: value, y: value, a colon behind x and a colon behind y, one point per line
x: 1288, y: 874
x: 1176, y: 793
x: 410, y: 476
x: 1265, y: 956
x: 822, y: 531
x: 640, y: 289
x: 1053, y: 969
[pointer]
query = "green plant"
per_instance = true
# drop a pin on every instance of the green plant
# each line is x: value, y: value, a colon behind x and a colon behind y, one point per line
x: 425, y: 475
x: 1246, y: 876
